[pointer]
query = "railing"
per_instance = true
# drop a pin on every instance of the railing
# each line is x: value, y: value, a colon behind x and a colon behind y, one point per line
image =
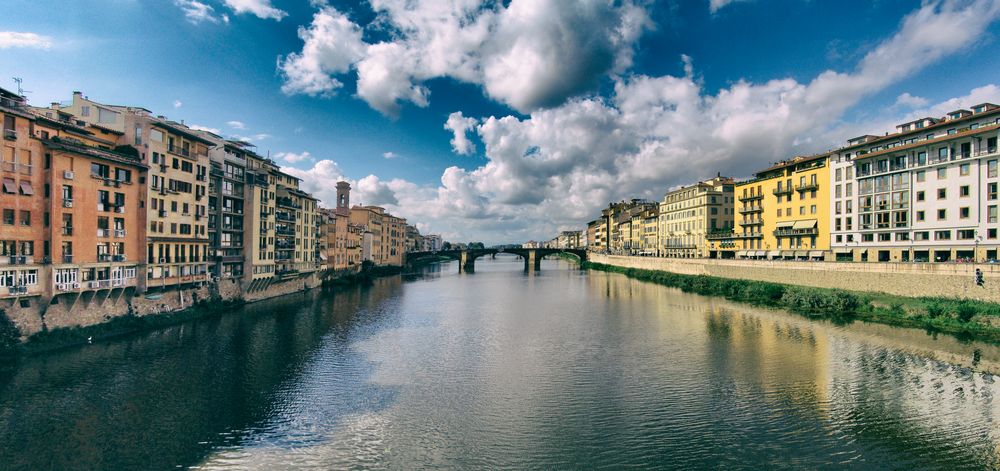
x: 67, y: 231
x: 103, y: 257
x: 119, y: 232
x: 179, y: 151
x: 20, y: 289
x: 719, y: 235
x: 807, y: 187
x: 782, y: 191
x: 102, y: 232
x: 752, y: 198
x: 118, y: 258
x: 795, y: 232
x: 67, y: 258
x: 751, y: 209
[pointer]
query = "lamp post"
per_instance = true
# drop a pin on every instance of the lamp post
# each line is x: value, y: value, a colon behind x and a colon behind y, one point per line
x: 975, y: 253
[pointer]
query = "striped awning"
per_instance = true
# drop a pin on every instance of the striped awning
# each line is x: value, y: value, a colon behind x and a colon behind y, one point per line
x: 774, y: 253
x: 741, y: 253
x: 815, y: 253
x: 784, y: 224
x: 801, y: 253
x: 841, y: 250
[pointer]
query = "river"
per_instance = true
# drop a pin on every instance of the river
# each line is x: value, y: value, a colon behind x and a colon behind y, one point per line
x: 504, y: 369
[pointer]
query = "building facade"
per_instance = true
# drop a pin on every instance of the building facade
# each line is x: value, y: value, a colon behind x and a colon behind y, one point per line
x: 688, y: 214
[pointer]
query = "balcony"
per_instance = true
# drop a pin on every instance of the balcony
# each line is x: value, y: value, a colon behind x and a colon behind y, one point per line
x: 17, y: 290
x: 796, y: 232
x: 67, y: 258
x: 287, y: 203
x: 67, y: 231
x: 118, y: 258
x: 103, y: 257
x: 183, y: 152
x: 18, y: 260
x: 119, y: 233
x: 719, y: 235
x: 782, y: 191
x: 103, y: 233
x: 73, y: 286
x: 752, y: 198
x: 751, y: 209
x: 285, y: 217
x: 807, y: 187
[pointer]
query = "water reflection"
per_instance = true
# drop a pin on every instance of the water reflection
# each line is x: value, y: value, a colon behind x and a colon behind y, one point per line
x: 505, y: 369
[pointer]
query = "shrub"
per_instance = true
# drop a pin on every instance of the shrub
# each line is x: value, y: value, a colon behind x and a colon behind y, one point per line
x: 935, y: 309
x: 823, y: 301
x: 966, y: 311
x: 10, y: 335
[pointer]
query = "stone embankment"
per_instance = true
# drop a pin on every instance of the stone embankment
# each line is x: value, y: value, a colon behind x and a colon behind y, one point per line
x: 943, y: 280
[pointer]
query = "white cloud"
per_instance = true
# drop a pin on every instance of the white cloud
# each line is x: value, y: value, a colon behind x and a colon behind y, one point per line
x: 197, y: 12
x: 909, y: 101
x: 389, y: 155
x: 460, y: 126
x: 259, y: 8
x: 293, y: 158
x: 14, y: 39
x: 236, y: 125
x: 206, y: 129
x: 555, y: 168
x: 529, y: 54
x: 716, y: 5
x: 178, y: 104
x: 253, y: 137
x: 332, y: 44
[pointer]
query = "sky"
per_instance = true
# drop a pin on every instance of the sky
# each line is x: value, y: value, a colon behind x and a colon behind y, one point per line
x: 506, y: 121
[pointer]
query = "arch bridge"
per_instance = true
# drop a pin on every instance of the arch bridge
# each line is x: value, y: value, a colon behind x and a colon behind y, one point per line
x: 467, y: 258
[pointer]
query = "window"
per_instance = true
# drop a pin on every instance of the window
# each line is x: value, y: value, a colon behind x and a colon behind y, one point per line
x: 963, y: 212
x: 991, y: 214
x: 837, y: 174
x: 943, y: 153
x: 920, y: 196
x: 991, y: 168
x: 921, y: 175
x: 920, y: 215
x: 991, y: 191
x: 802, y: 210
x: 921, y: 159
x: 965, y: 234
x: 942, y: 235
x: 902, y: 236
x: 921, y: 235
x: 8, y: 217
x: 942, y: 214
x: 942, y: 173
x: 812, y: 209
x: 963, y: 169
x: 156, y: 135
x: 942, y: 193
x: 100, y: 170
x: 25, y: 218
x: 963, y: 191
x: 123, y: 175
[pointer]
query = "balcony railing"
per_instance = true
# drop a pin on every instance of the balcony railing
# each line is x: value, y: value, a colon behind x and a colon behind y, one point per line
x: 719, y: 235
x: 179, y: 151
x: 795, y: 232
x: 103, y: 233
x: 782, y: 191
x: 807, y: 187
x: 119, y: 232
x: 67, y: 258
x: 67, y: 231
x: 751, y: 209
x: 752, y: 198
x: 21, y: 289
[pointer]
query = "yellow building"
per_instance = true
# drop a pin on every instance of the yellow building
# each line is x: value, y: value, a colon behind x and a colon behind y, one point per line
x: 783, y: 212
x: 689, y: 214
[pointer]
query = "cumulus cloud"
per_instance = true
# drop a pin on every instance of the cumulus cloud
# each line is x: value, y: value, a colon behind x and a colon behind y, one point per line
x: 197, y: 12
x: 294, y: 158
x: 236, y: 125
x: 389, y: 155
x: 199, y: 127
x: 906, y: 100
x: 178, y: 104
x: 716, y: 5
x: 259, y: 8
x: 460, y: 126
x: 556, y: 167
x: 528, y: 54
x: 332, y: 44
x: 15, y: 39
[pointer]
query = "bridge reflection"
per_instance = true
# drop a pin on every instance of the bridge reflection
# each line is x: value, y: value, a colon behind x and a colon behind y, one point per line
x: 467, y: 258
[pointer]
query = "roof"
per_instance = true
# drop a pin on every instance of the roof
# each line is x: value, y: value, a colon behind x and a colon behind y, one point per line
x: 177, y: 129
x: 936, y: 125
x: 795, y: 161
x: 912, y: 145
x: 60, y: 144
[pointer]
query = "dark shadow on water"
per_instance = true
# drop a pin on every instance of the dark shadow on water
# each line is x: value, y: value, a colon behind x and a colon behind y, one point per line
x: 166, y: 398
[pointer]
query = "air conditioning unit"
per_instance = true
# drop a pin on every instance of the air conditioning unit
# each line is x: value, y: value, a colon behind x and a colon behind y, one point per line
x: 163, y: 213
x: 76, y: 285
x: 68, y: 174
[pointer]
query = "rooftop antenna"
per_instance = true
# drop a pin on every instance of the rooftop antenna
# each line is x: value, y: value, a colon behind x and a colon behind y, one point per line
x: 20, y: 91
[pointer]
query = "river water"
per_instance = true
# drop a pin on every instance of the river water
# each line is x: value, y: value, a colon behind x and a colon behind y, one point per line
x: 501, y: 369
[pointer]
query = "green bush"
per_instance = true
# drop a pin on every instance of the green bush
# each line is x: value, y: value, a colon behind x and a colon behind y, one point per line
x: 10, y: 336
x: 821, y: 301
x: 935, y: 309
x: 966, y: 311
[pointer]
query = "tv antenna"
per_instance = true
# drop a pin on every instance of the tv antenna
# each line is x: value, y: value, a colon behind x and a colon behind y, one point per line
x: 20, y: 91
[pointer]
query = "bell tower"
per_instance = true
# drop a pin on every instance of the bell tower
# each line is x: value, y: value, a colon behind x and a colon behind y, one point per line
x: 343, y: 199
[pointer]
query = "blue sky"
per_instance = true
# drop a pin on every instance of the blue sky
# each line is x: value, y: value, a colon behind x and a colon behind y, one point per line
x: 590, y: 101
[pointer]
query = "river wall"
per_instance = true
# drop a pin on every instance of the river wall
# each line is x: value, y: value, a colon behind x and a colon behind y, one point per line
x: 947, y: 280
x: 36, y: 314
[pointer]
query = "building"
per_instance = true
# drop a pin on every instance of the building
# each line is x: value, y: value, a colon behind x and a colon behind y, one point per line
x: 689, y: 214
x: 296, y: 228
x: 228, y: 210
x: 569, y: 240
x: 925, y: 193
x: 623, y: 235
x: 176, y: 192
x: 259, y: 218
x: 414, y: 241
x: 432, y: 243
x: 343, y: 239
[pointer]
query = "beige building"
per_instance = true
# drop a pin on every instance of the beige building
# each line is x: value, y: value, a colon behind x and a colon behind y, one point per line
x: 688, y: 214
x: 261, y: 205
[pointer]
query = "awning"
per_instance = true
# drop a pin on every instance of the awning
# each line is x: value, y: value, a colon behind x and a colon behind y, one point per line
x: 9, y: 186
x: 807, y: 224
x: 801, y: 253
x: 815, y: 253
x: 741, y: 253
x: 26, y: 189
x: 841, y: 250
x: 761, y: 253
x: 774, y: 253
x: 784, y: 224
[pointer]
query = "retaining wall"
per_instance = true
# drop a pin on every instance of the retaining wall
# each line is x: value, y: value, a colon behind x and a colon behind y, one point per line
x: 949, y: 280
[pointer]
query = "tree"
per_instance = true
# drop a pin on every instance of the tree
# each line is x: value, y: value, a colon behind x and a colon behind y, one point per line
x: 476, y: 245
x: 446, y: 246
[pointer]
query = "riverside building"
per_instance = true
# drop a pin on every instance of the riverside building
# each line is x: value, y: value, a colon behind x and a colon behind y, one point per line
x: 689, y: 214
x: 925, y: 193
